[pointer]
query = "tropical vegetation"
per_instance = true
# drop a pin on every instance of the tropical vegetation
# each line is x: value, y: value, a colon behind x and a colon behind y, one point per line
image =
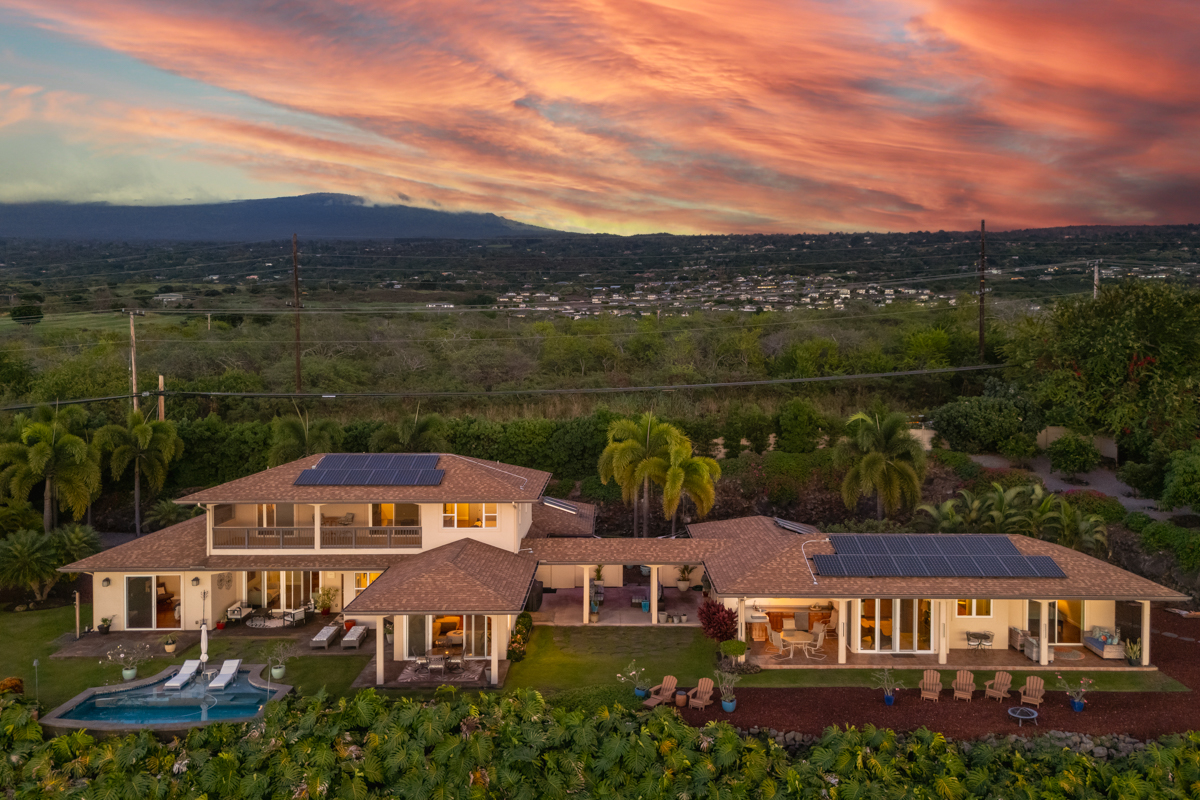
x: 48, y: 449
x: 30, y: 559
x: 636, y: 452
x: 883, y: 461
x: 294, y: 437
x: 148, y: 445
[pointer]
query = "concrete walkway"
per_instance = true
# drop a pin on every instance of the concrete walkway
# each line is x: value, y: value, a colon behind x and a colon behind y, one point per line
x: 1100, y: 480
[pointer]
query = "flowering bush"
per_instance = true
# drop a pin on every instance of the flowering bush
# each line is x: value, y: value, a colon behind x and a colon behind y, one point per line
x: 519, y: 642
x: 635, y: 675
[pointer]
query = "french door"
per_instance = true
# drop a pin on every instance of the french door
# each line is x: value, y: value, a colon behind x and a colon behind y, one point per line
x: 892, y: 625
x: 1065, y: 620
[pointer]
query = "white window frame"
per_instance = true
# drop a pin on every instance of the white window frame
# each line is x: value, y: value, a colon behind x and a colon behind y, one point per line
x: 974, y: 614
x: 489, y: 513
x: 370, y: 580
x: 154, y: 593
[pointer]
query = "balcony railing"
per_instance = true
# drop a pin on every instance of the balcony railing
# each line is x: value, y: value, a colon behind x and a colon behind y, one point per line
x: 264, y: 538
x: 382, y: 538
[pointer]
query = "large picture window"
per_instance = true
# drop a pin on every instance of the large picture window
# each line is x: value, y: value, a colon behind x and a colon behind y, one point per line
x: 396, y: 515
x: 974, y: 608
x: 468, y: 515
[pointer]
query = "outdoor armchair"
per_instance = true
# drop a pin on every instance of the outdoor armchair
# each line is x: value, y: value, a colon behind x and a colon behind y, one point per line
x: 701, y: 696
x: 814, y: 648
x: 964, y: 685
x: 931, y: 685
x: 998, y: 687
x: 1033, y: 691
x: 663, y: 693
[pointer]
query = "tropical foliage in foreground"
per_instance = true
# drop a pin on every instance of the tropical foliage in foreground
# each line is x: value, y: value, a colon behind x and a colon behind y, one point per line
x: 516, y: 746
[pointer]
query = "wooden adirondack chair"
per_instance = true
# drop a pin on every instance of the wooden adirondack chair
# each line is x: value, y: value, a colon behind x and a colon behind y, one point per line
x: 998, y: 686
x: 1034, y: 691
x: 931, y: 685
x: 964, y: 685
x: 663, y: 693
x: 701, y: 696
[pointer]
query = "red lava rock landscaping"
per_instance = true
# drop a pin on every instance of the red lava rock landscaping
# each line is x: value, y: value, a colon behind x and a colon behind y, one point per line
x: 1143, y: 715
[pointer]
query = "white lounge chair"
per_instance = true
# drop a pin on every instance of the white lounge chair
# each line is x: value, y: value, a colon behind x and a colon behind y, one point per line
x: 327, y: 636
x: 354, y: 637
x: 185, y: 674
x: 227, y: 675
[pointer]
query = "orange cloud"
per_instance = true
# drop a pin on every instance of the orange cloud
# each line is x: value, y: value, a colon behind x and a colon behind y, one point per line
x: 631, y: 115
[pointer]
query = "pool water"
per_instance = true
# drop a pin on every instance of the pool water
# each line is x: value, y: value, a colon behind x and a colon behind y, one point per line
x: 154, y: 704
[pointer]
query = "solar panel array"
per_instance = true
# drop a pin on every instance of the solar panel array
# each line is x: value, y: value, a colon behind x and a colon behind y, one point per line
x: 932, y: 556
x: 373, y: 469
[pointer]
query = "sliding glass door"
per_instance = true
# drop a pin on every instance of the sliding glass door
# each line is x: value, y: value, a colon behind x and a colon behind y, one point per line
x: 281, y: 591
x: 1065, y: 620
x: 890, y: 625
x: 153, y: 602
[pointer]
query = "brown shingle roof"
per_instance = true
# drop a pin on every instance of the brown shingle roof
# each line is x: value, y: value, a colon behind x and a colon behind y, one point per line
x: 763, y: 560
x: 178, y: 547
x: 622, y: 551
x: 548, y: 521
x: 466, y: 480
x: 467, y: 576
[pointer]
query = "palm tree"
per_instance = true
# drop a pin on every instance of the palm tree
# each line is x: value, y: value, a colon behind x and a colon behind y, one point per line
x: 166, y: 513
x: 630, y: 444
x: 48, y: 452
x: 1005, y: 508
x: 1086, y: 533
x: 884, y: 460
x: 297, y: 437
x: 417, y: 435
x: 29, y: 558
x: 683, y: 474
x: 150, y: 446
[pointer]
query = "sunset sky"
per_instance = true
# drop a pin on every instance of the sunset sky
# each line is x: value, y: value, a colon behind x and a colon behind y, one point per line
x: 622, y: 116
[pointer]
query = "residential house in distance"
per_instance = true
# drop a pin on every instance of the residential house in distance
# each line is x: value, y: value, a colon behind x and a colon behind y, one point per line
x: 448, y: 549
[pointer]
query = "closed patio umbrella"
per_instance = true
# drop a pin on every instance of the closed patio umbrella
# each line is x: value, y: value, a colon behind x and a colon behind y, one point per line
x: 204, y: 644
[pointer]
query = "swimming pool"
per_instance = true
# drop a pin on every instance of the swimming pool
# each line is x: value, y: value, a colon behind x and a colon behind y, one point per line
x: 149, y: 704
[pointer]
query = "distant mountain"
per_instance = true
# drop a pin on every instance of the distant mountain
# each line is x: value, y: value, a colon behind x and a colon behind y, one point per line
x: 334, y: 216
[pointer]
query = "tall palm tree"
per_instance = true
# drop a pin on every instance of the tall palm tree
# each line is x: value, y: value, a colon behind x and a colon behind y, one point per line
x: 884, y: 460
x: 150, y: 446
x: 298, y: 437
x: 630, y: 443
x: 417, y: 435
x: 683, y: 474
x: 48, y: 452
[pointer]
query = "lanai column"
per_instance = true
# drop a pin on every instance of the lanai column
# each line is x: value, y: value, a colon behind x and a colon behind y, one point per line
x: 653, y: 595
x: 741, y: 624
x: 843, y: 628
x: 587, y: 600
x: 380, y: 650
x: 316, y: 525
x: 943, y: 630
x: 1044, y: 632
x: 1145, y: 633
x: 496, y: 643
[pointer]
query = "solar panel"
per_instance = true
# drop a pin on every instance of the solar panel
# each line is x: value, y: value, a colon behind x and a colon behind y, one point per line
x: 975, y: 545
x: 938, y: 567
x: 829, y: 565
x: 897, y: 545
x: 794, y: 527
x: 845, y: 544
x: 964, y: 567
x: 561, y: 505
x: 309, y: 477
x: 857, y: 566
x: 926, y: 545
x: 1019, y: 566
x: 336, y: 461
x: 1046, y: 567
x: 426, y: 461
x: 872, y: 545
x: 991, y: 567
x: 911, y: 566
x: 951, y: 546
x: 431, y: 477
x: 369, y: 477
x: 883, y: 566
x: 1002, y: 546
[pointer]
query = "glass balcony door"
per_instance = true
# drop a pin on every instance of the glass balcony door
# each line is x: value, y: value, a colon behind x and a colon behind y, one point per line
x: 891, y: 625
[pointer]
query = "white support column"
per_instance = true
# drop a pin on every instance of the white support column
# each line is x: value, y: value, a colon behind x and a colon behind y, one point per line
x: 587, y: 600
x: 843, y: 632
x: 379, y: 650
x: 496, y: 646
x: 209, y: 516
x: 653, y: 595
x: 943, y: 631
x: 741, y: 625
x: 316, y: 526
x: 399, y: 637
x: 1145, y: 633
x: 1044, y: 633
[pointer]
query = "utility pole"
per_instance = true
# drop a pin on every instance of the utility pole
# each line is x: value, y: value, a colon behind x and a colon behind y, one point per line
x: 162, y: 401
x: 296, y: 302
x: 982, y: 286
x: 133, y: 360
x: 1096, y: 281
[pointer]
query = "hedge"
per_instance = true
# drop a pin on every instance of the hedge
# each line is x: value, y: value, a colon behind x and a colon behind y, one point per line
x: 1183, y: 543
x: 982, y: 424
x: 1089, y: 501
x: 960, y: 463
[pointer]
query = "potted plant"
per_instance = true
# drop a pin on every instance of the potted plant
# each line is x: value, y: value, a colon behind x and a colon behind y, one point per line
x: 732, y: 649
x: 277, y: 655
x: 684, y: 583
x: 683, y: 617
x: 884, y: 680
x: 169, y: 642
x: 389, y: 631
x: 705, y: 584
x: 637, y: 676
x: 130, y: 657
x: 726, y: 681
x: 1076, y: 688
x: 221, y: 622
x: 662, y: 617
x: 105, y: 624
x: 1133, y: 652
x: 326, y: 598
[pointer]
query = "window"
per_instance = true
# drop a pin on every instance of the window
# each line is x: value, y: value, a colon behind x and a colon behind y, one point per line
x: 974, y: 608
x: 398, y: 515
x: 468, y: 515
x: 364, y: 579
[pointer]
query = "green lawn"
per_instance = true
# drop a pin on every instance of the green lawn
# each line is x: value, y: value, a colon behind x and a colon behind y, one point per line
x: 31, y: 635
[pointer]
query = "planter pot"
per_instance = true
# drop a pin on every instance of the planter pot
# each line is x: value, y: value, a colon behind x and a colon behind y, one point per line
x: 277, y: 673
x: 729, y: 706
x: 170, y: 648
x: 683, y: 617
x: 662, y: 616
x: 645, y: 571
x: 390, y: 637
x: 889, y: 699
x: 680, y: 699
x: 103, y: 629
x: 1134, y: 662
x: 640, y: 692
x: 682, y: 586
x: 594, y: 616
x: 220, y: 626
x: 670, y: 619
x: 324, y: 612
x: 1077, y: 705
x: 646, y: 606
x: 129, y: 674
x: 350, y: 624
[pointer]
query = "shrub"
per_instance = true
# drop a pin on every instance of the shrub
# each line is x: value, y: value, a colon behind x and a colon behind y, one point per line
x: 1147, y: 478
x: 591, y: 699
x: 1006, y: 478
x: 1137, y: 521
x: 800, y: 427
x: 26, y: 315
x: 1019, y: 448
x: 1182, y: 543
x: 561, y: 489
x: 522, y: 630
x: 1182, y: 484
x: 718, y: 622
x: 1089, y: 501
x: 593, y: 489
x: 981, y: 424
x: 960, y: 463
x: 1072, y: 454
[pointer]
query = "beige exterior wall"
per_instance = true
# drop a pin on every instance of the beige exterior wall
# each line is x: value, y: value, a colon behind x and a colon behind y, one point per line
x: 1004, y: 613
x: 1099, y: 612
x: 109, y: 601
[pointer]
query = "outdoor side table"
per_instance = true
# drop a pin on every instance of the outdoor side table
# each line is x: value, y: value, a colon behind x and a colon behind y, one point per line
x: 1021, y: 713
x: 681, y: 699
